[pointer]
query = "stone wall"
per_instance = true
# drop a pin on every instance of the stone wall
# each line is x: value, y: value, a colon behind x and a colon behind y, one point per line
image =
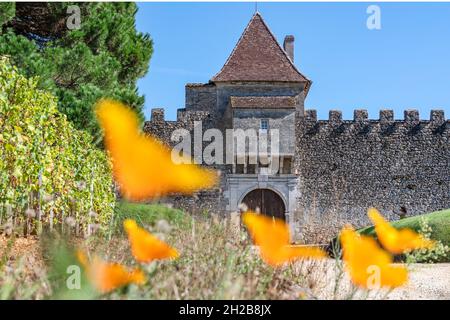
x: 162, y: 129
x: 345, y: 167
x: 211, y: 201
x: 201, y: 96
x: 203, y: 202
x: 282, y: 120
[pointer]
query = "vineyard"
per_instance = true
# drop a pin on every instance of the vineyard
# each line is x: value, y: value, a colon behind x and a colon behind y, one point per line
x: 50, y: 173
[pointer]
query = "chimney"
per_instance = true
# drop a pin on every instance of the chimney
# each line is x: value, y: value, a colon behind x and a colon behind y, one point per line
x: 288, y: 46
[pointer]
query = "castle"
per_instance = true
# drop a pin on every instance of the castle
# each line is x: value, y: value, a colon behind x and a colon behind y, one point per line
x: 326, y: 167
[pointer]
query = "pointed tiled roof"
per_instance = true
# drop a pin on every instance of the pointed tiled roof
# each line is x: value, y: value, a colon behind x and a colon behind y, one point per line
x: 259, y: 57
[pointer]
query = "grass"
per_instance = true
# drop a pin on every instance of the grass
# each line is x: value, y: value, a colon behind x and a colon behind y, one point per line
x: 149, y: 215
x: 439, y: 221
x: 217, y: 261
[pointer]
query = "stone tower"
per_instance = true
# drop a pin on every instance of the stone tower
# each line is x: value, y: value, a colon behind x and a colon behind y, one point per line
x: 258, y: 88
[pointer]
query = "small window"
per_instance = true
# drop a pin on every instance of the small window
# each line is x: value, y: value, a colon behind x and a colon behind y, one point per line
x: 287, y: 165
x: 264, y: 124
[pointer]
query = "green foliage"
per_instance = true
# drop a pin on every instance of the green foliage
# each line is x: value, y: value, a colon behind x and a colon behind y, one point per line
x: 149, y: 214
x: 66, y: 274
x: 7, y: 11
x: 45, y: 164
x: 438, y: 253
x: 439, y: 221
x: 103, y: 58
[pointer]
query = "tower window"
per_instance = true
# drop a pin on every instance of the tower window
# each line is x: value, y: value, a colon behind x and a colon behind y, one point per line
x: 287, y: 165
x: 264, y: 124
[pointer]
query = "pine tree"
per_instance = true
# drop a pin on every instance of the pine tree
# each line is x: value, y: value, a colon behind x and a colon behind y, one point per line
x: 104, y: 57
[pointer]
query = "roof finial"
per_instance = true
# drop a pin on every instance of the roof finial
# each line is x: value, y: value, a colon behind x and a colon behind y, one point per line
x: 256, y: 6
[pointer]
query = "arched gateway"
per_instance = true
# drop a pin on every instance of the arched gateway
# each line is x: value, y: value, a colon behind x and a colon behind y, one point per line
x: 265, y: 201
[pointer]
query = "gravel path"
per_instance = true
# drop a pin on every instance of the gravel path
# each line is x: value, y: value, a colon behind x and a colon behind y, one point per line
x: 426, y: 281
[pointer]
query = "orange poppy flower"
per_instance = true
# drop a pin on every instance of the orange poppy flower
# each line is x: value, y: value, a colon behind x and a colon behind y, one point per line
x: 145, y: 247
x: 396, y: 241
x: 272, y: 237
x: 142, y: 165
x: 369, y: 266
x: 106, y: 277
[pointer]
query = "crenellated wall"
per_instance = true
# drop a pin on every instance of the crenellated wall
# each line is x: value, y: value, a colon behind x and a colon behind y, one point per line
x: 344, y: 166
x: 203, y: 201
x: 162, y: 129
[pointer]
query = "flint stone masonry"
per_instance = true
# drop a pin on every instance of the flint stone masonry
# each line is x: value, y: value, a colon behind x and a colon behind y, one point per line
x: 159, y: 127
x: 203, y: 201
x: 394, y: 164
x: 200, y: 96
x: 343, y: 169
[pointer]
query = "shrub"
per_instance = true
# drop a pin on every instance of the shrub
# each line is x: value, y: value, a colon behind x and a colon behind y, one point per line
x: 49, y: 171
x: 439, y: 252
x: 439, y: 221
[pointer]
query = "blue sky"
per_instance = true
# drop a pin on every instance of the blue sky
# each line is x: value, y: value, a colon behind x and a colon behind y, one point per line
x: 404, y: 65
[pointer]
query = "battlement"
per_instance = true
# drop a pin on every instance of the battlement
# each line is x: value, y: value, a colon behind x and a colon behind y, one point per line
x: 183, y: 116
x: 361, y: 121
x: 159, y: 127
x: 386, y: 115
x: 157, y: 115
x: 385, y: 163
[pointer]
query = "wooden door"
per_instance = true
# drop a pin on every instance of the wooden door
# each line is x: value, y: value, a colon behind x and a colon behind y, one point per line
x: 265, y: 201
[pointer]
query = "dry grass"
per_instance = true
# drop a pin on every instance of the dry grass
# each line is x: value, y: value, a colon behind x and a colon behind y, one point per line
x: 217, y: 262
x: 22, y: 269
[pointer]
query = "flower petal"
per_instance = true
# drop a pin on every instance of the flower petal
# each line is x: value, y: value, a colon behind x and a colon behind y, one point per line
x: 145, y: 247
x: 142, y: 165
x: 396, y: 241
x: 369, y: 266
x: 272, y: 237
x: 107, y: 277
